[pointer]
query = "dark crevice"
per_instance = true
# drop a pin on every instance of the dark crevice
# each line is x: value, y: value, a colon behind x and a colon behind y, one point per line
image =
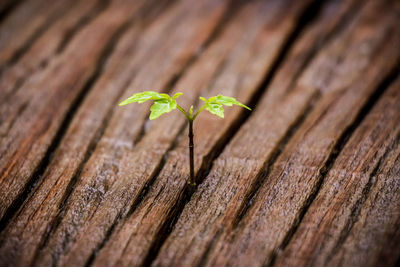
x: 217, y: 149
x: 57, y: 220
x: 143, y: 193
x: 356, y: 209
x: 156, y: 173
x: 6, y: 97
x: 40, y: 170
x: 175, y: 78
x: 337, y: 148
x: 63, y: 44
x: 20, y: 110
x: 35, y: 36
x: 167, y: 88
x: 100, y: 6
x: 99, y: 69
x: 207, y: 251
x: 345, y: 20
x: 8, y: 9
x: 308, y: 17
x: 146, y: 188
x: 266, y: 170
x: 106, y: 238
x: 72, y: 183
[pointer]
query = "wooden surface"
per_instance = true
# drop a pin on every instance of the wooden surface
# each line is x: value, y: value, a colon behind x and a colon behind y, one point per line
x: 310, y: 177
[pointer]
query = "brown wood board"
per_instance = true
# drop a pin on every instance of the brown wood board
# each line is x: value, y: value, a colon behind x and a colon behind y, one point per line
x: 309, y: 177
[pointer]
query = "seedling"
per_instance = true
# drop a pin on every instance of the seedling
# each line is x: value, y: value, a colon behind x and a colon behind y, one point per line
x: 163, y: 103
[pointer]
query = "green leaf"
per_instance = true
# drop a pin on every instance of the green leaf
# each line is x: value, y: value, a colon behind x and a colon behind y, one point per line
x: 216, y: 109
x: 227, y: 101
x: 215, y: 104
x: 191, y: 111
x: 163, y: 103
x: 142, y: 97
x: 162, y: 106
x: 177, y: 95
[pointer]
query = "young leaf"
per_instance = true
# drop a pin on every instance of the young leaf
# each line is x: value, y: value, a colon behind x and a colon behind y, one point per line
x: 191, y: 111
x: 215, y: 104
x: 141, y: 97
x: 227, y: 101
x: 177, y: 95
x: 163, y: 103
x: 216, y: 109
x: 162, y: 106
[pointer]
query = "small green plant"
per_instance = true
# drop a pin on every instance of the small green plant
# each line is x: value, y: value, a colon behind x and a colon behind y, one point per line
x: 164, y: 103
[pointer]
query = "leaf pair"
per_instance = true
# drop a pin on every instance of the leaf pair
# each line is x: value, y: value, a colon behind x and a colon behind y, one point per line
x: 163, y: 103
x: 215, y: 104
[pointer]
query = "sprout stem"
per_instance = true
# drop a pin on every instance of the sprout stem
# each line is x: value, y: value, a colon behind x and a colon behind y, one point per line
x: 191, y: 181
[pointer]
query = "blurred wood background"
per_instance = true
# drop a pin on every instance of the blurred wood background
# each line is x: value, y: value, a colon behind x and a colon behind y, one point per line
x: 310, y: 177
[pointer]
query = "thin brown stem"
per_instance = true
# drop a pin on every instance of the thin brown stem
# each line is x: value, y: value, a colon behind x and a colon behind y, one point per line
x: 191, y: 181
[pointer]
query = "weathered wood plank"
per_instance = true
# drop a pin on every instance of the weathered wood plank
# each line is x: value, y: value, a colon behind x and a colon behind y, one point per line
x: 25, y: 24
x: 25, y: 236
x: 210, y: 230
x: 356, y: 212
x: 136, y: 159
x: 7, y: 6
x: 44, y: 48
x: 140, y: 233
x: 310, y: 177
x: 25, y: 145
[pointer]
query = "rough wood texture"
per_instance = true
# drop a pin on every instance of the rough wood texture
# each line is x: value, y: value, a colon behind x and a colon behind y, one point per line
x: 362, y: 185
x: 310, y: 177
x: 206, y: 232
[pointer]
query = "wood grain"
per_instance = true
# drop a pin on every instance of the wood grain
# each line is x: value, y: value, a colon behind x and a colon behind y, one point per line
x: 207, y: 231
x: 57, y: 181
x: 23, y: 25
x: 361, y: 187
x: 33, y: 130
x: 310, y: 177
x: 139, y: 243
x: 46, y: 45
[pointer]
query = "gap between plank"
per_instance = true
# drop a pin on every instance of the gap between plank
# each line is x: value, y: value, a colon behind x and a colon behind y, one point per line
x: 335, y: 151
x: 356, y: 209
x: 99, y: 8
x: 228, y: 14
x: 40, y: 170
x: 304, y: 19
x: 265, y: 171
x: 8, y: 9
x: 85, y: 20
x: 342, y: 24
x: 262, y: 175
x: 100, y: 132
x: 30, y: 41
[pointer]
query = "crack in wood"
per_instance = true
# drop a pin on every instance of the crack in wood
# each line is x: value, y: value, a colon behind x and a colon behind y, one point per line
x: 92, y: 14
x: 268, y: 165
x: 85, y: 20
x: 184, y: 195
x: 307, y: 18
x: 226, y: 17
x: 31, y: 40
x: 63, y: 128
x: 304, y: 19
x: 335, y: 151
x: 103, y: 59
x: 347, y: 18
x: 7, y: 7
x: 355, y: 211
